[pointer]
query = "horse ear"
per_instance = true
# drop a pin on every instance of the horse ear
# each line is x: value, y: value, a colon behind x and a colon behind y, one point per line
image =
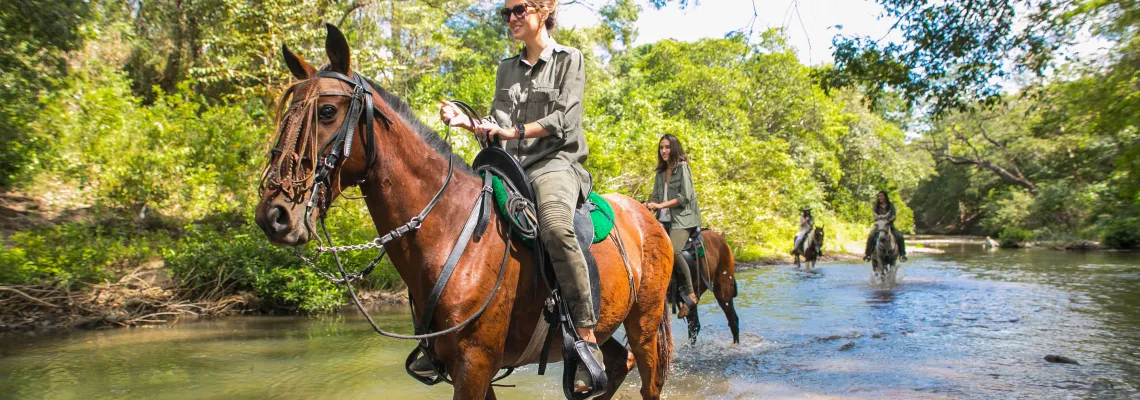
x: 336, y: 47
x: 297, y: 65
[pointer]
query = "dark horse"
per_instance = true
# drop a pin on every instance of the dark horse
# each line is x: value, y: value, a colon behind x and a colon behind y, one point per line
x: 812, y: 248
x: 719, y: 269
x: 400, y: 164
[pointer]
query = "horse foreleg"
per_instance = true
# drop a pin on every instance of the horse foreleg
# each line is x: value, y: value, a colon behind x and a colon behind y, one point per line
x: 473, y: 371
x: 616, y: 359
x: 694, y: 320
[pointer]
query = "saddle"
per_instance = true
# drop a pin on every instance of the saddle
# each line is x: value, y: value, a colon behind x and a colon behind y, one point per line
x: 518, y: 203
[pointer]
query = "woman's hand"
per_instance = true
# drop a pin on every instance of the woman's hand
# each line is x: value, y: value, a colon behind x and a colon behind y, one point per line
x: 653, y: 206
x: 489, y: 131
x: 449, y: 113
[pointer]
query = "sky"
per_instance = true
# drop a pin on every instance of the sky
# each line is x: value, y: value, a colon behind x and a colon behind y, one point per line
x: 810, y: 30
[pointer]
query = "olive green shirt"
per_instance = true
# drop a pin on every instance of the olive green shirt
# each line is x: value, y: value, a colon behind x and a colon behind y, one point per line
x: 687, y: 214
x: 549, y: 93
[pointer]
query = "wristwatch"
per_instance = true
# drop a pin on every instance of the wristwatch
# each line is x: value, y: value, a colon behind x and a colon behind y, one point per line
x: 520, y: 128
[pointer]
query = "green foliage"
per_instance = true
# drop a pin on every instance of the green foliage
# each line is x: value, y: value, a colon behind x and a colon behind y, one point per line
x: 76, y: 253
x: 242, y: 260
x: 34, y: 42
x: 1012, y: 237
x: 179, y: 154
x: 1123, y: 233
x: 951, y: 51
x: 1006, y: 209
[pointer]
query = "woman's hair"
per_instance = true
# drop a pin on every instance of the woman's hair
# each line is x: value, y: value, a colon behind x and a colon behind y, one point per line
x: 886, y: 197
x: 676, y: 154
x: 549, y: 7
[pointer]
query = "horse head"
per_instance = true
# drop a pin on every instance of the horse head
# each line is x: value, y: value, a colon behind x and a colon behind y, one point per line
x: 314, y: 159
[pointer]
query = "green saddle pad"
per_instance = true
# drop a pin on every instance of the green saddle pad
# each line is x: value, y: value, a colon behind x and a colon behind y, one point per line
x: 602, y: 214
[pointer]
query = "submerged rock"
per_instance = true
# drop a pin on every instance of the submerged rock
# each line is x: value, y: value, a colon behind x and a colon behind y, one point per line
x: 1053, y: 358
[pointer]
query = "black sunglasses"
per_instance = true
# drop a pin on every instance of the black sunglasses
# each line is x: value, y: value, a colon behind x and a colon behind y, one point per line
x: 519, y: 11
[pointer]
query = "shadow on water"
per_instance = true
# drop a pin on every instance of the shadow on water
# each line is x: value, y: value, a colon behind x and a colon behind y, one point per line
x: 964, y: 324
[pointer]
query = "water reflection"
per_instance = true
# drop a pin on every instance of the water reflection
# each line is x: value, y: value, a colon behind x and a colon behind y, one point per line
x: 881, y: 297
x: 964, y: 324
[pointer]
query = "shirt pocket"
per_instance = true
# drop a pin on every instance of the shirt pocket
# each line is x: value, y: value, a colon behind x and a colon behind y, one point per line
x: 540, y: 103
x: 502, y: 108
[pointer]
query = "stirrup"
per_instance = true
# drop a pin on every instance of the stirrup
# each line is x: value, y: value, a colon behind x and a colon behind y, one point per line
x: 582, y: 373
x: 423, y: 368
x: 579, y: 355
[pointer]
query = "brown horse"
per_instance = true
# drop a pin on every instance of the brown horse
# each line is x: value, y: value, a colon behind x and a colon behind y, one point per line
x: 399, y: 165
x: 719, y: 267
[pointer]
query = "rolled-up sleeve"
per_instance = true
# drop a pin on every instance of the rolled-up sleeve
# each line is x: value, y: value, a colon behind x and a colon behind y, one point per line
x: 567, y: 113
x: 687, y: 192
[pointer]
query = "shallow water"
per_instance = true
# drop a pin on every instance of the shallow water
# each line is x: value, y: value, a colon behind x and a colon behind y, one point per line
x: 964, y: 324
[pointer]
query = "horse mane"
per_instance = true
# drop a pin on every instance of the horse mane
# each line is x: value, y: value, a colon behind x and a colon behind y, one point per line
x: 428, y: 135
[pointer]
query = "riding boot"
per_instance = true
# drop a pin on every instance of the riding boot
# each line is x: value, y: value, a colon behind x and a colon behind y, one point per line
x: 582, y: 374
x: 688, y: 304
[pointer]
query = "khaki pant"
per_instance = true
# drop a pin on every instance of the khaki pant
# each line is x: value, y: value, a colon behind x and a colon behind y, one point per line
x: 681, y: 274
x: 558, y: 194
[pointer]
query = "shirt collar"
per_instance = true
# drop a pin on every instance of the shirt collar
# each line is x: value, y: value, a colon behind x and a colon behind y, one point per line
x: 547, y: 52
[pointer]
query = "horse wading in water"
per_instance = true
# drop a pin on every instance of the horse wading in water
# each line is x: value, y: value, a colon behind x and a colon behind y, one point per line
x: 718, y: 269
x: 338, y: 130
x: 885, y: 252
x: 813, y: 249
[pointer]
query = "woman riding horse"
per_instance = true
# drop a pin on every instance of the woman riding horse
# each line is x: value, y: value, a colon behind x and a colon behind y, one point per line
x: 537, y: 108
x: 884, y: 210
x: 675, y: 200
x: 807, y: 222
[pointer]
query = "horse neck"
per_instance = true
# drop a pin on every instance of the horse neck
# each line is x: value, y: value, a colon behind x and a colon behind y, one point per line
x: 407, y: 174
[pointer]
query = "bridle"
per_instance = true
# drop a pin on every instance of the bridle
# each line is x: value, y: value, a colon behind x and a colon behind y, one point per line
x: 361, y: 112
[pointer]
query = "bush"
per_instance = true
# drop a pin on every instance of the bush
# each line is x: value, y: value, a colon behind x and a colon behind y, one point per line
x: 1123, y: 233
x: 241, y: 259
x: 1012, y: 237
x: 76, y: 253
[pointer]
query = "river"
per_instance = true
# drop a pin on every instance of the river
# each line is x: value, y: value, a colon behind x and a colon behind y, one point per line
x: 967, y: 323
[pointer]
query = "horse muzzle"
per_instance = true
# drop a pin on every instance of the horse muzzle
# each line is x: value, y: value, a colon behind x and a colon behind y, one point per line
x: 283, y: 222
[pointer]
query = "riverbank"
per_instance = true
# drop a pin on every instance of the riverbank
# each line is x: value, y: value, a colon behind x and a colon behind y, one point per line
x: 141, y: 298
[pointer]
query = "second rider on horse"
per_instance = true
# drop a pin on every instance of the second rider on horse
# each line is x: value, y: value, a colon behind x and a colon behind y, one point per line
x: 674, y: 199
x: 807, y: 222
x: 884, y: 210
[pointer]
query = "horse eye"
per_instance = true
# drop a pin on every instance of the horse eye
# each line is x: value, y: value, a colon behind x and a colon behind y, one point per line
x: 327, y: 112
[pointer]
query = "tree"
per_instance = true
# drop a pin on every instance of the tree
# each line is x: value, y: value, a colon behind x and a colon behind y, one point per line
x: 956, y: 54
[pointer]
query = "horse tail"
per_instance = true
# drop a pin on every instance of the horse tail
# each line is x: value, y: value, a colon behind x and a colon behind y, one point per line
x: 664, y: 346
